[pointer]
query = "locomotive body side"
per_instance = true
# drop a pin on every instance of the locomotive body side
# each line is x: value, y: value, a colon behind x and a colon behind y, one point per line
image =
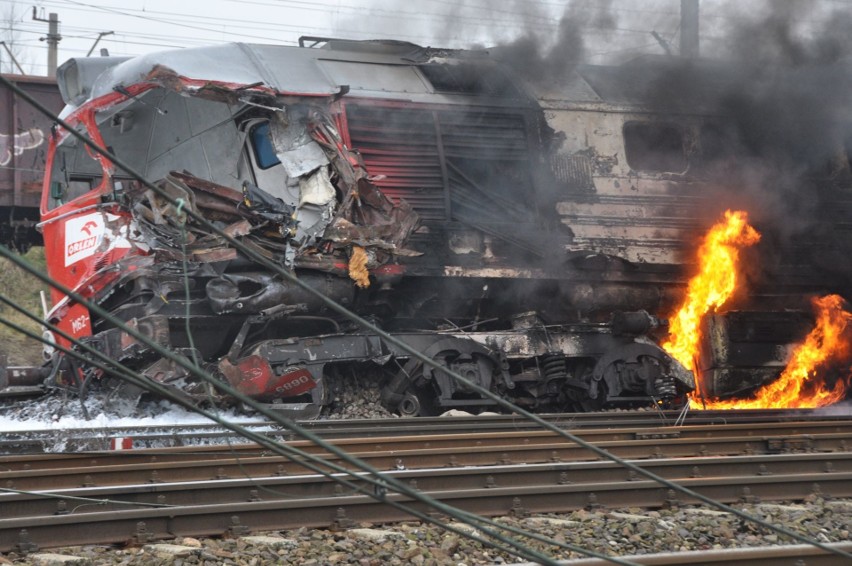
x: 518, y: 238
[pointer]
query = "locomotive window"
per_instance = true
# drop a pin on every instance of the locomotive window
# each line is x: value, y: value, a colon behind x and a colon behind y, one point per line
x: 261, y: 143
x: 654, y: 147
x: 75, y: 172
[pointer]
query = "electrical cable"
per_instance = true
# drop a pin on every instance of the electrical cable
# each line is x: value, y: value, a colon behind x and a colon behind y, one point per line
x: 333, y: 305
x: 380, y: 483
x: 288, y: 451
x: 373, y: 12
x: 255, y: 26
x: 369, y: 326
x: 178, y: 24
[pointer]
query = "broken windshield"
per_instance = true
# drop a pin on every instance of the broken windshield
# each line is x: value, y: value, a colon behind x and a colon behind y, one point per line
x: 74, y: 171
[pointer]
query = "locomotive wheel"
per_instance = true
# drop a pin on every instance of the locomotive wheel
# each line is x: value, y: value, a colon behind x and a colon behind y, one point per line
x: 417, y: 404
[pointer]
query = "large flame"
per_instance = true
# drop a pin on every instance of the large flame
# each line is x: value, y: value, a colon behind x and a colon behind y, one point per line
x: 712, y: 286
x: 798, y: 387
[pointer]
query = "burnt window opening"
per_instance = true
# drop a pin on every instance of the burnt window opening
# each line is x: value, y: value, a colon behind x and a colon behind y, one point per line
x: 471, y: 79
x: 261, y: 144
x: 716, y: 143
x: 654, y: 147
x: 718, y: 148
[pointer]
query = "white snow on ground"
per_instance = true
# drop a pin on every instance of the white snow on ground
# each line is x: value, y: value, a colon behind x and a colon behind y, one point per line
x: 58, y: 412
x: 58, y: 422
x: 171, y: 417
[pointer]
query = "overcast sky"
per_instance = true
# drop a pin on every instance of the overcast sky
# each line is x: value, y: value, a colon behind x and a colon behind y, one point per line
x: 142, y: 26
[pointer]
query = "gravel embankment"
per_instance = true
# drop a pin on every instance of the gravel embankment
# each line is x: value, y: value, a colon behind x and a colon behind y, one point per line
x: 621, y: 533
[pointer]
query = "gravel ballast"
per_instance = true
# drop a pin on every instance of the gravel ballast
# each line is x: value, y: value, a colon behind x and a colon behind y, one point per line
x: 620, y: 532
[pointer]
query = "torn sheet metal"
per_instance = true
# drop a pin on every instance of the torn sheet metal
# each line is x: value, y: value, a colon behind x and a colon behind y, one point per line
x: 316, y: 188
x: 338, y: 206
x: 298, y: 152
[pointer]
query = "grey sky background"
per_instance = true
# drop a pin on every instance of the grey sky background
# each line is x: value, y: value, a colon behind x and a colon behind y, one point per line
x: 613, y: 30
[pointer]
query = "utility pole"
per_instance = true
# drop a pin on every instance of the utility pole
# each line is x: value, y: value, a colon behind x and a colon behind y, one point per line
x: 53, y: 38
x: 12, y: 55
x: 689, y: 28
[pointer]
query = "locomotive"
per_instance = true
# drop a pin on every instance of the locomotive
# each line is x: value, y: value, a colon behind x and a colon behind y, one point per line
x: 527, y: 236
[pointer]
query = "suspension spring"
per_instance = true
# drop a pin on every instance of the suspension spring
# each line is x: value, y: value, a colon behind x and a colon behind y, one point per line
x: 554, y: 366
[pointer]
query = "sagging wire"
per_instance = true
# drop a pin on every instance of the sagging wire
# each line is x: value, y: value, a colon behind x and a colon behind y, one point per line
x: 367, y: 325
x: 180, y: 217
x: 380, y: 484
x: 396, y: 485
x: 681, y: 418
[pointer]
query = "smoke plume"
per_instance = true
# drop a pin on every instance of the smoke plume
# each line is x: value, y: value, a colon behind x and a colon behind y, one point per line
x: 781, y: 86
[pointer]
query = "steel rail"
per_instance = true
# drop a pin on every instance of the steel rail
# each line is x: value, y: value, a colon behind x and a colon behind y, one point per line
x: 634, y: 418
x: 71, y: 453
x: 104, y: 527
x: 140, y: 467
x: 49, y: 502
x: 782, y: 555
x: 95, y: 439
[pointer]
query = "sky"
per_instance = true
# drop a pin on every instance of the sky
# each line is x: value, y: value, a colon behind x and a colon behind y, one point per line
x: 143, y: 26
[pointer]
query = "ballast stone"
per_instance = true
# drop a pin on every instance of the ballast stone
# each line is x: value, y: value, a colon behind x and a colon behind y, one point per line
x: 170, y: 550
x: 272, y: 542
x: 50, y: 559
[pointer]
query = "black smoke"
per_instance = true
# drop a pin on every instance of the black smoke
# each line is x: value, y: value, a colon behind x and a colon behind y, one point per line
x: 782, y: 91
x: 549, y: 60
x: 774, y: 81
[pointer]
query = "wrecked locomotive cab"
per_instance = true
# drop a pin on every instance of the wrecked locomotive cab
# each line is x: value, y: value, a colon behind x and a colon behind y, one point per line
x: 408, y: 195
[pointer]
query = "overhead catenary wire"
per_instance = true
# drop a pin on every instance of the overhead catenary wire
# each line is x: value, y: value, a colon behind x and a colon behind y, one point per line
x: 223, y: 28
x: 367, y: 325
x: 288, y: 451
x: 113, y: 367
x: 543, y: 23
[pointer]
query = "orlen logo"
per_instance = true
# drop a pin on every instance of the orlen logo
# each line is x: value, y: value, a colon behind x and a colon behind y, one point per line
x: 82, y: 236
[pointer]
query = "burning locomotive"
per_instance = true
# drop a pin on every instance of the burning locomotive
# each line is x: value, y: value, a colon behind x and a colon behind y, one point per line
x: 517, y: 234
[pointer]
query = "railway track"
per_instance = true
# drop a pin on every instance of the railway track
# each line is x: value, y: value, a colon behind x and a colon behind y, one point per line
x: 792, y: 555
x: 344, y: 510
x: 147, y: 494
x: 43, y: 471
x: 98, y: 438
x: 827, y: 472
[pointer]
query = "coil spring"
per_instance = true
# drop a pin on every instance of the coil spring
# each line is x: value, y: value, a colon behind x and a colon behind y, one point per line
x: 554, y: 366
x: 666, y: 387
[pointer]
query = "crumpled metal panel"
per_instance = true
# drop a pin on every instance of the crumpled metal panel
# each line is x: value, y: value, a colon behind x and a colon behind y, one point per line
x: 254, y: 377
x: 298, y: 153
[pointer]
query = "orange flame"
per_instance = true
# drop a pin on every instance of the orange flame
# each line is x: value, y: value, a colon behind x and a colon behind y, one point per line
x: 715, y: 282
x: 797, y: 387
